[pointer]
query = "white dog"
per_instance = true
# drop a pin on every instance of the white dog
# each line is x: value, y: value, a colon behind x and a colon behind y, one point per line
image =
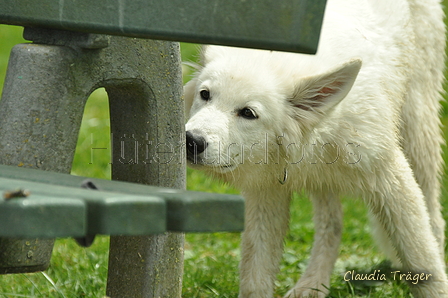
x: 359, y: 118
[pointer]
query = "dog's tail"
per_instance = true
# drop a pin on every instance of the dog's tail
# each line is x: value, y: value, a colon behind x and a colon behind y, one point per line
x: 421, y: 130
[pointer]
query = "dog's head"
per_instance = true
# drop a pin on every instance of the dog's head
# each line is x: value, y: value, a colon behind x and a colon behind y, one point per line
x: 242, y: 104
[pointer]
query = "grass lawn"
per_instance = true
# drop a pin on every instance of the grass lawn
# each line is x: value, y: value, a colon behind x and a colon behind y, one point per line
x: 211, y: 260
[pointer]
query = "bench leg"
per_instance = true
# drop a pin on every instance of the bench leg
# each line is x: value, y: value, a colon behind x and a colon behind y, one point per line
x: 40, y: 115
x: 147, y: 126
x: 145, y: 266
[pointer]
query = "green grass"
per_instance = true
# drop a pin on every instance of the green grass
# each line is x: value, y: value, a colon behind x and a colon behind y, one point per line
x: 211, y: 260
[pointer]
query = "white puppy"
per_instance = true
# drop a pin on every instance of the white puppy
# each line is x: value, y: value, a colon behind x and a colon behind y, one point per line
x: 360, y: 118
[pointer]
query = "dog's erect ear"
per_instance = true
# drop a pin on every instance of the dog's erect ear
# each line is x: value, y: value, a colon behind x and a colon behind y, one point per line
x: 317, y: 94
x: 189, y: 90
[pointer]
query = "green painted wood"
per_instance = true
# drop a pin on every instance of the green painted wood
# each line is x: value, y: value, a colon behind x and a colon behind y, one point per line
x: 42, y: 216
x: 205, y: 212
x: 126, y: 208
x: 54, y: 211
x: 287, y: 25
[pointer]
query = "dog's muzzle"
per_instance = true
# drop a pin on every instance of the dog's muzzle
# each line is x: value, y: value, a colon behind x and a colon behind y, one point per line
x: 196, y: 145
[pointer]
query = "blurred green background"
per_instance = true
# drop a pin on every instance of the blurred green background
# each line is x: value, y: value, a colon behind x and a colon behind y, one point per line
x: 211, y: 260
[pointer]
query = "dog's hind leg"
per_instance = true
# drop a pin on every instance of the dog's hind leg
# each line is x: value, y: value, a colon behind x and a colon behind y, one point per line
x: 315, y: 282
x: 421, y: 130
x: 421, y: 141
x: 398, y: 204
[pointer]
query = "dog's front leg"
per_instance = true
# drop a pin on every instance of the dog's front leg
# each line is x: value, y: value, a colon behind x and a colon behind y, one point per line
x: 267, y: 216
x: 328, y: 225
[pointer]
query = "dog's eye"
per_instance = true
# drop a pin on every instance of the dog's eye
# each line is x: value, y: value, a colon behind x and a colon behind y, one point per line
x: 247, y: 113
x: 205, y: 94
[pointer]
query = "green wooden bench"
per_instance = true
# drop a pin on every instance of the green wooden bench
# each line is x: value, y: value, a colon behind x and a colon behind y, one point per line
x: 57, y: 206
x: 78, y: 47
x: 286, y: 25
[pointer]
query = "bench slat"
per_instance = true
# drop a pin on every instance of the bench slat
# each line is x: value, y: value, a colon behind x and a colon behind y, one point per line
x: 104, y: 212
x: 128, y: 208
x: 42, y: 216
x: 287, y: 25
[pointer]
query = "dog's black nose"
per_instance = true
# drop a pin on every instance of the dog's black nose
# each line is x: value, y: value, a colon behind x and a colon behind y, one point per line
x: 195, y: 144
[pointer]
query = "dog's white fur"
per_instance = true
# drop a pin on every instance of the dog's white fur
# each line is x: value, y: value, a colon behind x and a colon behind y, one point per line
x: 323, y: 127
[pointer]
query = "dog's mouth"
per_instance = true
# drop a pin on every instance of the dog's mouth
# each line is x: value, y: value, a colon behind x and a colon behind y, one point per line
x: 201, y: 163
x: 227, y: 168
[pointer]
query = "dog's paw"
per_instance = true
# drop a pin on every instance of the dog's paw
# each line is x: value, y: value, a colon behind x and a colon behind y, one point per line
x: 308, y: 289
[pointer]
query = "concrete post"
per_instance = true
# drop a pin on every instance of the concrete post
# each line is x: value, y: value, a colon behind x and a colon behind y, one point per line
x: 40, y: 115
x: 147, y: 124
x: 44, y: 95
